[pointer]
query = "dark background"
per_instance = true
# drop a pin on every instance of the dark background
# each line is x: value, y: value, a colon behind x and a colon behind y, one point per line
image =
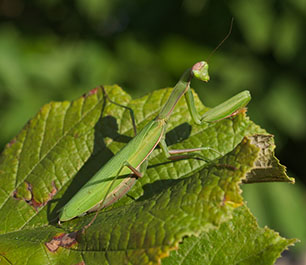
x: 57, y: 50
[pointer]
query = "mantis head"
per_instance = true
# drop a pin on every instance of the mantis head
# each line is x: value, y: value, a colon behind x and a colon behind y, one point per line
x: 200, y: 71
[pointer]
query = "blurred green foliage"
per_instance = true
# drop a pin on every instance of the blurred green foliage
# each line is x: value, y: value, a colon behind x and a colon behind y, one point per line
x: 57, y: 50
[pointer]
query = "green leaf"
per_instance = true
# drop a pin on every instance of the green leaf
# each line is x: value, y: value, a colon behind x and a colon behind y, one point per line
x: 66, y: 143
x: 238, y: 241
x: 43, y: 158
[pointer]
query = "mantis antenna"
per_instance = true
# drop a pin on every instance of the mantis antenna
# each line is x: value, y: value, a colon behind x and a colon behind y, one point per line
x: 225, y: 38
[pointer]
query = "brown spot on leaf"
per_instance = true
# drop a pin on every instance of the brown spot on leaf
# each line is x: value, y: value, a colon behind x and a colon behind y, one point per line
x: 227, y: 200
x: 62, y: 240
x: 11, y: 142
x: 91, y: 92
x: 81, y: 263
x: 34, y: 203
x: 15, y: 195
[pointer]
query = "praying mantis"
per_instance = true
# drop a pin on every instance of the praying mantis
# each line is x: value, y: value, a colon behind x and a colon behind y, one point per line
x: 106, y: 187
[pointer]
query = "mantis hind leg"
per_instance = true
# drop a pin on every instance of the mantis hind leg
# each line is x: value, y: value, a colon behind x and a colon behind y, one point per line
x: 120, y: 105
x: 139, y: 173
x: 191, y: 153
